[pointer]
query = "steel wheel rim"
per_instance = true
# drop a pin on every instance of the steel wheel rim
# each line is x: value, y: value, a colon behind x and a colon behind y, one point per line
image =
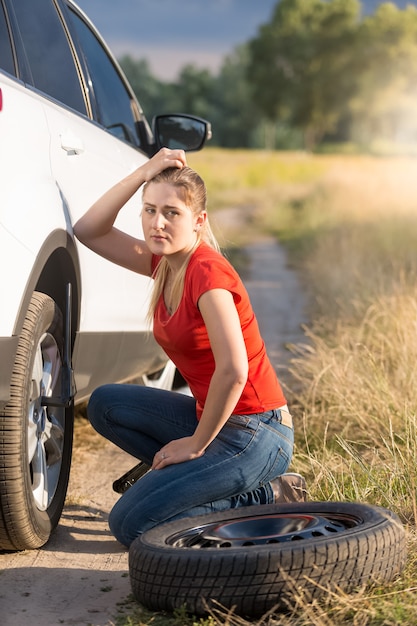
x: 263, y: 530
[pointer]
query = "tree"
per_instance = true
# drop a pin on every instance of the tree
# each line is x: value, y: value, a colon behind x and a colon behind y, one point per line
x: 224, y: 100
x: 195, y: 90
x: 236, y: 117
x: 385, y: 106
x: 298, y: 64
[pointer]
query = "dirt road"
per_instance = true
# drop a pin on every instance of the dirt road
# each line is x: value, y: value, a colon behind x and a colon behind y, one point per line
x: 81, y: 576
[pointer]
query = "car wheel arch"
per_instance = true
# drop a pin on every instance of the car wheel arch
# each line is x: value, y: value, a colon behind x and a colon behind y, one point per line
x: 56, y: 265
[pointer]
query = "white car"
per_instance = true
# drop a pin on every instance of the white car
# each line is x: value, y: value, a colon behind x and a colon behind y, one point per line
x: 70, y: 126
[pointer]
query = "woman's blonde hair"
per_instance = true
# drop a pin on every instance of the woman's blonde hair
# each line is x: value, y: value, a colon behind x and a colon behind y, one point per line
x: 195, y: 197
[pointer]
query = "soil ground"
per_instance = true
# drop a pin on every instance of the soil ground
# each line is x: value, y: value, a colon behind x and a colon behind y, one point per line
x: 81, y: 576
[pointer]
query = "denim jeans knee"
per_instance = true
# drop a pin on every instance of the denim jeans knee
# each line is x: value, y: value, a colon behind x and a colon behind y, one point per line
x: 234, y: 471
x: 140, y: 419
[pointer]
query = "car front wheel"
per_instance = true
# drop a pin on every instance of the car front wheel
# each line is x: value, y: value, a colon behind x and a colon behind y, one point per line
x: 35, y: 436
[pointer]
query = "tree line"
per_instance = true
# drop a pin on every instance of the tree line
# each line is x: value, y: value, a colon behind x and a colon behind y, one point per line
x: 320, y: 72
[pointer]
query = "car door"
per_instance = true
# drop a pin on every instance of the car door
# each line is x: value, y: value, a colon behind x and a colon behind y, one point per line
x: 92, y: 120
x: 101, y: 152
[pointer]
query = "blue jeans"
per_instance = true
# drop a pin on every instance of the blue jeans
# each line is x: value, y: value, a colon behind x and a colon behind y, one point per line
x: 234, y: 471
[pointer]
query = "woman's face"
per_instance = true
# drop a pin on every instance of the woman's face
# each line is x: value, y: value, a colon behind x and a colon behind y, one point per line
x: 169, y: 226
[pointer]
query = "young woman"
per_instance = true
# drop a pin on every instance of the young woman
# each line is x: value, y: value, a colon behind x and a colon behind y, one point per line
x: 229, y: 444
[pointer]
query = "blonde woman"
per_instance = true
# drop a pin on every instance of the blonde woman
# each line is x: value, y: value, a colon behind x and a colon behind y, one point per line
x: 230, y: 443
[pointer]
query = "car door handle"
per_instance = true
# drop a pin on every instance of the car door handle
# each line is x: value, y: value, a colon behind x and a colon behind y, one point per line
x: 71, y: 143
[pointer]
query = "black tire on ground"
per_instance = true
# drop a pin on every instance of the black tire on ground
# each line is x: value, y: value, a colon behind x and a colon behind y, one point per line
x: 268, y: 557
x: 35, y: 441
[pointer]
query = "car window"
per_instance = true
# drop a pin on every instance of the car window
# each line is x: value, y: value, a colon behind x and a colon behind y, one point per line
x: 113, y: 101
x: 48, y: 52
x: 6, y: 54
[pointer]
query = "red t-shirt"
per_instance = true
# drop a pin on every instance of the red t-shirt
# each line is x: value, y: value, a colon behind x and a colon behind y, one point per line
x: 184, y: 338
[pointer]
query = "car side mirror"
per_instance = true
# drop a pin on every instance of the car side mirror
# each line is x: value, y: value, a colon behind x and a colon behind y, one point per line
x: 181, y: 131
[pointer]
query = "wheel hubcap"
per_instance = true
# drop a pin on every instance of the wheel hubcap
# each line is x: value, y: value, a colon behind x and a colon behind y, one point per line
x: 45, y: 425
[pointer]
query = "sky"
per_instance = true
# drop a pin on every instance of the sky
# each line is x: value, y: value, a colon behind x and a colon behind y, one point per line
x: 173, y: 33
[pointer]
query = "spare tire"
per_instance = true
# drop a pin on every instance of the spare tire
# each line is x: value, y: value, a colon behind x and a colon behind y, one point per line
x: 255, y: 559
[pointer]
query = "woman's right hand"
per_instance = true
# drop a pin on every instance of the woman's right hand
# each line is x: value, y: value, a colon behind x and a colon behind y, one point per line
x: 162, y: 160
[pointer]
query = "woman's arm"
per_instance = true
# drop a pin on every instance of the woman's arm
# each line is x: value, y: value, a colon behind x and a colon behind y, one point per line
x: 96, y: 230
x: 229, y: 378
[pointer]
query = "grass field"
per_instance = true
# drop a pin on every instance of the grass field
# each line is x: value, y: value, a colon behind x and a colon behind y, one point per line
x: 350, y: 226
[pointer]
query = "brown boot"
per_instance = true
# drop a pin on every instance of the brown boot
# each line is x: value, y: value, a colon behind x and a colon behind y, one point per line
x: 289, y: 487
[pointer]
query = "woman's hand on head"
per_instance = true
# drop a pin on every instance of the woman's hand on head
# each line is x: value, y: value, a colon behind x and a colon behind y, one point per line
x: 162, y: 160
x: 176, y: 451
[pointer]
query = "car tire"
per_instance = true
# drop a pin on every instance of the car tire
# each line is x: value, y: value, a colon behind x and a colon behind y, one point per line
x: 35, y: 440
x: 259, y: 559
